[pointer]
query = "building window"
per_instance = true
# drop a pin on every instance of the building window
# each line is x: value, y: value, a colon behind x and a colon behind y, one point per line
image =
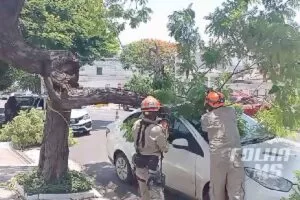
x: 99, y: 70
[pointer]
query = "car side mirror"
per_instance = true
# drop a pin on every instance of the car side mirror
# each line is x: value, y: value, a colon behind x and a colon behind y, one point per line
x: 180, y: 143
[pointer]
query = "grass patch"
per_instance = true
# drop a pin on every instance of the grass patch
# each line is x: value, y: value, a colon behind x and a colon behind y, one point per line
x: 72, y: 182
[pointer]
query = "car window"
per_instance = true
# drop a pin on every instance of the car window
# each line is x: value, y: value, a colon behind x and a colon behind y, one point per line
x: 133, y: 116
x: 180, y: 128
x: 254, y: 131
x: 25, y: 101
x: 179, y: 131
x: 197, y: 125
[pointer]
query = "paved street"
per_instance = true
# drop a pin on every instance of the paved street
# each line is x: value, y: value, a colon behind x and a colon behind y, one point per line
x: 91, y: 153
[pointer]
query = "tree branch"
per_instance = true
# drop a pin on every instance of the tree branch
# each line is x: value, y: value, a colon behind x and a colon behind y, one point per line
x: 81, y: 97
x: 95, y: 96
x: 236, y: 66
x: 238, y: 72
x: 13, y: 49
x: 203, y: 75
x: 60, y: 69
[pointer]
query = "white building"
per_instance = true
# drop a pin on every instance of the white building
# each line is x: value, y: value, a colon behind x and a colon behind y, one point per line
x: 107, y: 72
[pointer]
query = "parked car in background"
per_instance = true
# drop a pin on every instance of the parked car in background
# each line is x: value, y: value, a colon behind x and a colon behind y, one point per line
x: 80, y: 121
x: 187, y: 163
x: 28, y: 101
x: 250, y: 104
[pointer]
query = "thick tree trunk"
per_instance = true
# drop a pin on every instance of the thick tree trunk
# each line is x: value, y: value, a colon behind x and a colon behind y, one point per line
x: 60, y: 70
x: 53, y: 163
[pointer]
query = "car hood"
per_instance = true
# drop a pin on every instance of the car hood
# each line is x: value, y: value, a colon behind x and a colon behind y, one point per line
x: 76, y: 113
x: 277, y: 156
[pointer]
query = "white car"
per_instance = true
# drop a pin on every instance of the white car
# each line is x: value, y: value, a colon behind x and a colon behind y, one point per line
x: 187, y: 164
x: 80, y: 121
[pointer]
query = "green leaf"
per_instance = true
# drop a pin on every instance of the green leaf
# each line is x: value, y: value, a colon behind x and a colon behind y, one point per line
x: 274, y: 89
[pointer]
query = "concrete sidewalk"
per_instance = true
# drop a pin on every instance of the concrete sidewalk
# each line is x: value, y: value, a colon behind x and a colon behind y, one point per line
x: 8, y: 195
x: 8, y: 157
x: 13, y: 162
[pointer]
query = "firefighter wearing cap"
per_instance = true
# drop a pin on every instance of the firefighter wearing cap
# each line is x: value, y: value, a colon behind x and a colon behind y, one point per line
x: 227, y: 171
x: 150, y: 139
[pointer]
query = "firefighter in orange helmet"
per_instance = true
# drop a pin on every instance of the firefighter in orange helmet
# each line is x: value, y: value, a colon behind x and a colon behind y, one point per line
x: 226, y: 167
x: 150, y: 140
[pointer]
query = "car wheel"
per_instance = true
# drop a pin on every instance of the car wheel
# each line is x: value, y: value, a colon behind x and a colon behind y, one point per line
x: 123, y: 168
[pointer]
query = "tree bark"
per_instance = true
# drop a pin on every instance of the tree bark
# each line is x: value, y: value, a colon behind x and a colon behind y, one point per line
x: 60, y: 70
x: 53, y: 163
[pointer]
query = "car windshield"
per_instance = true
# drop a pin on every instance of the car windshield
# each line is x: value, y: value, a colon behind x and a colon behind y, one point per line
x: 253, y: 131
x: 25, y: 101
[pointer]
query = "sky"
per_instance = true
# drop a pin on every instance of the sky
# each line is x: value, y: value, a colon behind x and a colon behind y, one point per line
x: 157, y: 27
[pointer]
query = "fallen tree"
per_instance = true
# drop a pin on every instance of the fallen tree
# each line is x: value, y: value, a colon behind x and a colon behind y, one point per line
x: 60, y: 72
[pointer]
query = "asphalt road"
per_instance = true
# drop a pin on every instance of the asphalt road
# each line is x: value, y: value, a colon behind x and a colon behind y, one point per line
x: 90, y: 152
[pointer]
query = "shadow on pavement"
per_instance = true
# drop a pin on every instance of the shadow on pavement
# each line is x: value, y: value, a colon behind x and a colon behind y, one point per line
x: 106, y: 178
x: 8, y: 172
x: 100, y: 124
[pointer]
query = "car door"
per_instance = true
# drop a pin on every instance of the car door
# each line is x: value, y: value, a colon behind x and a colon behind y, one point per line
x: 179, y: 164
x: 203, y: 159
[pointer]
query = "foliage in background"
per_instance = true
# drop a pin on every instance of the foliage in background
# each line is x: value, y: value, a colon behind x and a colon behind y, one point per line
x: 72, y: 182
x: 154, y: 62
x: 88, y: 27
x: 273, y: 119
x: 26, y: 130
x: 124, y: 13
x: 64, y: 25
x: 168, y: 85
x: 26, y: 81
x: 264, y: 34
x: 296, y: 190
x: 155, y: 57
x: 6, y: 76
x: 182, y: 27
x: 140, y: 84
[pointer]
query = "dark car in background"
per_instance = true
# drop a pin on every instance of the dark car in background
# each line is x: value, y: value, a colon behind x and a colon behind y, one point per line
x: 30, y: 101
x: 80, y: 122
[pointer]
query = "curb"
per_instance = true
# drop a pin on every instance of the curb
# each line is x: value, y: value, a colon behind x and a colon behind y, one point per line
x: 93, y: 193
x: 23, y: 156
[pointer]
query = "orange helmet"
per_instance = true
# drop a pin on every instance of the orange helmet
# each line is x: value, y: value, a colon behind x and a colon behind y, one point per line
x: 150, y: 104
x: 215, y: 99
